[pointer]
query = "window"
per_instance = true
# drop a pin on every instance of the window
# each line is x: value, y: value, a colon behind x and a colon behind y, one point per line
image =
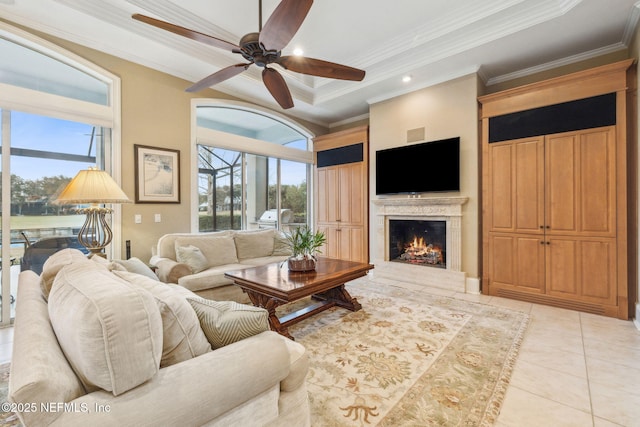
x: 44, y: 145
x: 253, y: 170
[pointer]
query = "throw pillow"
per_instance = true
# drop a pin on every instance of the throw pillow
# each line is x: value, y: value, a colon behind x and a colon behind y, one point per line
x: 54, y: 264
x: 254, y: 244
x: 135, y: 265
x: 218, y: 250
x: 182, y: 337
x: 225, y: 322
x: 109, y: 330
x: 192, y: 256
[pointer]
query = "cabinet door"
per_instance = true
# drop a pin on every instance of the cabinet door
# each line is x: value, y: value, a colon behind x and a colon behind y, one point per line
x: 581, y: 183
x: 332, y: 245
x: 516, y: 186
x: 582, y: 269
x: 517, y: 261
x: 328, y: 194
x: 350, y: 189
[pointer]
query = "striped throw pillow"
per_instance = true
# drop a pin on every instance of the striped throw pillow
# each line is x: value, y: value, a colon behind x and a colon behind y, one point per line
x: 225, y: 322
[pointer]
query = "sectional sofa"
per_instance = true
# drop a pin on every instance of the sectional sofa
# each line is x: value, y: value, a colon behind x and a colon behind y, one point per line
x: 198, y: 261
x: 96, y: 343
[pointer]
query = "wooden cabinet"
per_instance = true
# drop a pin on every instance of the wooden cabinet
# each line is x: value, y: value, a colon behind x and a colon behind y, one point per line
x: 341, y: 188
x: 553, y: 215
x: 556, y: 215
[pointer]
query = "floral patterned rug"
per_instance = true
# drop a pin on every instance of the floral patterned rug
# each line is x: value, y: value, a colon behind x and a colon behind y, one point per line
x: 409, y: 359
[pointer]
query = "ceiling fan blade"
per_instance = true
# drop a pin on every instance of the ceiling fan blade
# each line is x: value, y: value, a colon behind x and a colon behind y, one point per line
x: 277, y: 87
x: 283, y: 23
x: 320, y: 68
x: 219, y: 76
x: 185, y: 32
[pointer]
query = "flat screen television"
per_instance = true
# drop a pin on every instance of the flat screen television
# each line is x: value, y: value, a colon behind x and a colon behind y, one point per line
x: 419, y: 168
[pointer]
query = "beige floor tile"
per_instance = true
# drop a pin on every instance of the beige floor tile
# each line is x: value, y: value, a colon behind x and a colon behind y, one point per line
x: 563, y: 388
x: 5, y: 352
x: 550, y: 357
x: 625, y: 355
x: 511, y: 304
x: 544, y: 334
x: 613, y: 404
x: 599, y: 422
x: 620, y: 377
x: 611, y: 331
x: 6, y: 335
x: 524, y: 409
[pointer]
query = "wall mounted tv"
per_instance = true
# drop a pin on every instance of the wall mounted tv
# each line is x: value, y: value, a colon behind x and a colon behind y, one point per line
x: 419, y: 168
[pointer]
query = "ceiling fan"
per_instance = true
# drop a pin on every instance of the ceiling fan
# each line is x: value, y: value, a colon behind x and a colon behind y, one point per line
x: 263, y: 49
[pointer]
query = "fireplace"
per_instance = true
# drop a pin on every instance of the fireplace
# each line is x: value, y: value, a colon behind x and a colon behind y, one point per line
x: 437, y: 262
x: 420, y: 242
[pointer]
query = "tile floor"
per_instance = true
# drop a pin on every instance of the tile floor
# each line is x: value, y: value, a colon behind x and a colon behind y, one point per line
x: 574, y: 369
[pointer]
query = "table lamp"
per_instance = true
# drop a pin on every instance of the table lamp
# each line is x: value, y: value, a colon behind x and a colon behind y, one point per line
x: 95, y: 187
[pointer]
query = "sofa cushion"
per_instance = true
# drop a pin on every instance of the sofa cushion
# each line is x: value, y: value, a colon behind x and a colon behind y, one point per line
x: 135, y: 265
x: 167, y: 243
x: 218, y: 250
x: 225, y: 322
x: 40, y: 372
x: 254, y: 244
x: 182, y: 337
x: 109, y: 330
x: 54, y: 264
x: 210, y: 278
x: 281, y: 245
x: 254, y: 262
x: 191, y: 256
x: 170, y: 271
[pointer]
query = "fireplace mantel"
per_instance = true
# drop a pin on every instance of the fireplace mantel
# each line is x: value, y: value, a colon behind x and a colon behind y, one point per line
x: 448, y: 209
x: 419, y: 206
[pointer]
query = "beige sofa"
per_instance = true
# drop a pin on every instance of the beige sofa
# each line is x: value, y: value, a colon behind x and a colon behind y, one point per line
x: 111, y: 347
x: 215, y: 254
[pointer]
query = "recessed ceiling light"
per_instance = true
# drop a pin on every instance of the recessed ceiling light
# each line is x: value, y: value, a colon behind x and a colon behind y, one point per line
x: 406, y: 79
x: 298, y: 52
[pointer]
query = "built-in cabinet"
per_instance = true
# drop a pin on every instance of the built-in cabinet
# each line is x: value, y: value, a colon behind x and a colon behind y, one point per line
x: 557, y: 206
x: 341, y: 186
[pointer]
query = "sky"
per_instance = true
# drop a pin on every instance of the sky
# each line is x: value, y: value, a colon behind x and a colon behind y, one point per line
x: 48, y: 134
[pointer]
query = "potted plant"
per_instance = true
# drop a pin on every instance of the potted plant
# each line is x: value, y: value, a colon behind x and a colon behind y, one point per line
x: 304, y: 244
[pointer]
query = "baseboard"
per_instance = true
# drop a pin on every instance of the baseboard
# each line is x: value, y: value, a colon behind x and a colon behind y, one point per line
x: 472, y: 285
x: 636, y: 320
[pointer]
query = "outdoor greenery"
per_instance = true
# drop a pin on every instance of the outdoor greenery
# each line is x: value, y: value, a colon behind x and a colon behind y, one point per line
x: 34, y: 197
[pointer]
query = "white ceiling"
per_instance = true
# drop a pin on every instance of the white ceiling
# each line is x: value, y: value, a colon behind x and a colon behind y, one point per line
x: 432, y: 40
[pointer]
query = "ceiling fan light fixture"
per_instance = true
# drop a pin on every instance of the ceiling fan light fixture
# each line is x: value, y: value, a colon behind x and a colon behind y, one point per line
x: 298, y: 51
x: 406, y: 79
x: 264, y: 48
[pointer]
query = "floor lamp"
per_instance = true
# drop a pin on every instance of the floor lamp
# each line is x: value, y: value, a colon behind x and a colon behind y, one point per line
x: 95, y: 187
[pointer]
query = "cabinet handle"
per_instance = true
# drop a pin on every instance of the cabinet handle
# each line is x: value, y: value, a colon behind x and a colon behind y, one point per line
x: 548, y: 226
x: 548, y: 243
x: 542, y: 242
x: 541, y: 227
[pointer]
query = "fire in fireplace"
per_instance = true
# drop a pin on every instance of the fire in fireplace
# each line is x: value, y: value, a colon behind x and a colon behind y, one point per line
x: 418, y: 242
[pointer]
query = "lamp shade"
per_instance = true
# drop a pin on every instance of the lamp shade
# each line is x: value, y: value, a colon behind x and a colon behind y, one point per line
x: 92, y: 186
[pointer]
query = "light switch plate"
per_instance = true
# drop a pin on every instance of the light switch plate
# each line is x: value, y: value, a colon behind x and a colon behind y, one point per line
x: 137, y: 219
x: 158, y: 218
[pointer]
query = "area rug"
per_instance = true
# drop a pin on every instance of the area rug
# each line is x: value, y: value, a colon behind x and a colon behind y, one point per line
x: 7, y: 418
x: 409, y: 359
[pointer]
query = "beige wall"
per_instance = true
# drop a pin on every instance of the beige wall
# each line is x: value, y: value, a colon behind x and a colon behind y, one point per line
x: 155, y: 112
x: 446, y: 110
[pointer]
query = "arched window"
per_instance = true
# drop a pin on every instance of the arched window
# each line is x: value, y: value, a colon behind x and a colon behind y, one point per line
x: 58, y: 114
x: 253, y: 168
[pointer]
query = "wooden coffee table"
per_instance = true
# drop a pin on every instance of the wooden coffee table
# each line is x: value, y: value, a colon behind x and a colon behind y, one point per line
x: 272, y: 285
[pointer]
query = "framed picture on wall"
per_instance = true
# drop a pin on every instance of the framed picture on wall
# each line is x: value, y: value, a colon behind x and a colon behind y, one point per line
x: 157, y: 174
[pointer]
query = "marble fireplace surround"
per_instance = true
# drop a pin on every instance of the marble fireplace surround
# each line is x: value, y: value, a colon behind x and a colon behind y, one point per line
x: 448, y: 209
